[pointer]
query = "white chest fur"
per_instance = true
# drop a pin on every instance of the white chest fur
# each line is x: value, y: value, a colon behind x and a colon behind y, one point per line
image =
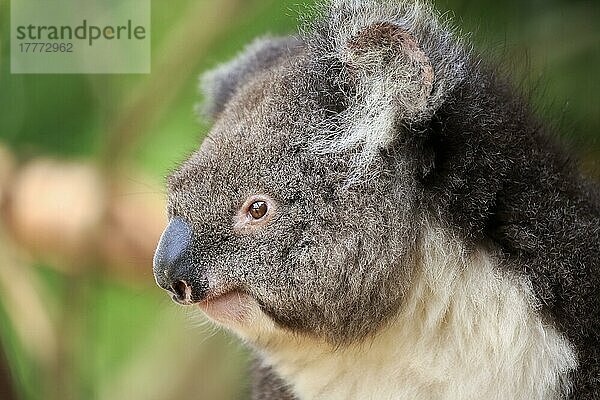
x: 468, y: 331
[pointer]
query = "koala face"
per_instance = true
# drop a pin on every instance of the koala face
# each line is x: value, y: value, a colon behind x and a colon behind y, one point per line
x: 271, y: 222
x: 268, y: 220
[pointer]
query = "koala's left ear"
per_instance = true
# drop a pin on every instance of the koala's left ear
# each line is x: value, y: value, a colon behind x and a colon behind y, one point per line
x: 401, y: 69
x: 220, y: 84
x: 386, y: 61
x: 393, y: 80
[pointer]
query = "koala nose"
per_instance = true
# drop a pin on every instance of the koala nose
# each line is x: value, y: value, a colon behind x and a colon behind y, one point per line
x: 172, y: 264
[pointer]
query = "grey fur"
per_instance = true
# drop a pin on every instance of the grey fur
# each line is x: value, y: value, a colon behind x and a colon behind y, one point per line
x: 335, y: 262
x: 220, y: 84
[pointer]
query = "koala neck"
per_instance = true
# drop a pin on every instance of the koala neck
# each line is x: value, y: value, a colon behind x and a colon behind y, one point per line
x: 467, y: 331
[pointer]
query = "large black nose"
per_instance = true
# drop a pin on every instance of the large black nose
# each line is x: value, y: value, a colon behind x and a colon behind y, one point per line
x: 173, y: 269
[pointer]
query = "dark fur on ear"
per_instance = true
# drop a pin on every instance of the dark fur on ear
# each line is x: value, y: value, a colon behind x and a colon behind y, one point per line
x: 220, y: 84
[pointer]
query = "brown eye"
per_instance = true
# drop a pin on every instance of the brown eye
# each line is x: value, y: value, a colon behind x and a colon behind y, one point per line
x: 258, y: 209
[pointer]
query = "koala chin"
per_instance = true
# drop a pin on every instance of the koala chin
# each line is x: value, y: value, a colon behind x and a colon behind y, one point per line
x: 378, y: 214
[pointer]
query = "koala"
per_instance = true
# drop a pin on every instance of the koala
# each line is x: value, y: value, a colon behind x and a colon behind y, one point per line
x: 378, y: 214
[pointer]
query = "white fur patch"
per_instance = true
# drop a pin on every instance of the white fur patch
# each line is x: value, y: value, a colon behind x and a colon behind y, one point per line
x: 467, y: 331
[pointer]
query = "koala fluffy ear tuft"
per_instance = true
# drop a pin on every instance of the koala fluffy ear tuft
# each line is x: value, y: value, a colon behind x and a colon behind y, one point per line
x: 401, y: 62
x: 220, y: 84
x: 393, y: 81
x: 384, y: 53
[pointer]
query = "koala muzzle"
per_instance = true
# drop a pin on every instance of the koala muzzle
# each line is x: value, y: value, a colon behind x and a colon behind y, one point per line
x: 173, y: 267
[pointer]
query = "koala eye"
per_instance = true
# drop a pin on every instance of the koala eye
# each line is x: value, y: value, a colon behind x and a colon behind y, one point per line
x: 258, y: 209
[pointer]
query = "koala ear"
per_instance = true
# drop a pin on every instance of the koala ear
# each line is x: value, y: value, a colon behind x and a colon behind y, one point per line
x: 393, y: 82
x: 220, y: 84
x: 386, y: 61
x: 400, y: 61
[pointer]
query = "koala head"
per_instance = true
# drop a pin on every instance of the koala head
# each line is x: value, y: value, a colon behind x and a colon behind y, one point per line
x: 300, y: 211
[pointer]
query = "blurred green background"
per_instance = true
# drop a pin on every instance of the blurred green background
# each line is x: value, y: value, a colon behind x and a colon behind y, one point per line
x: 82, y: 163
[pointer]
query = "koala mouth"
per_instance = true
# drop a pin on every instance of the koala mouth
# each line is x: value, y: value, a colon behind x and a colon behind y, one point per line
x: 232, y: 306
